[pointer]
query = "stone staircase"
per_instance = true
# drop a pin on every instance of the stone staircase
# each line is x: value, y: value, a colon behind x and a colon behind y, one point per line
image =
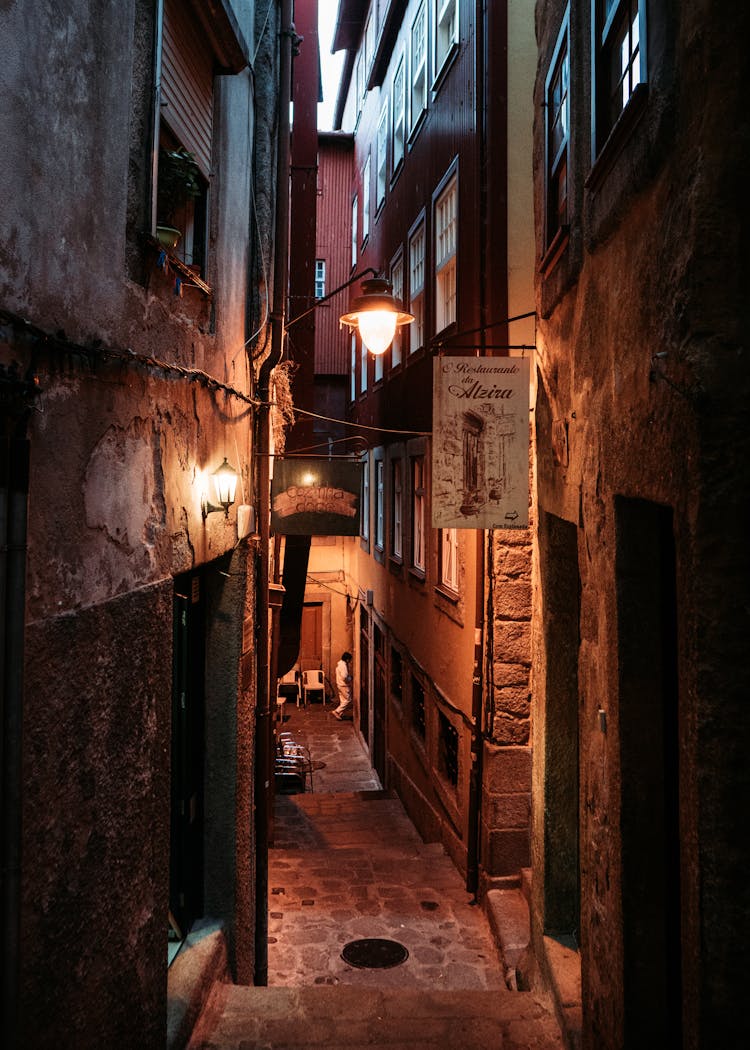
x: 354, y: 1018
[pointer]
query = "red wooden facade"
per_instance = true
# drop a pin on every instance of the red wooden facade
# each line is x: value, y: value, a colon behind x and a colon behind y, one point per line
x: 446, y: 137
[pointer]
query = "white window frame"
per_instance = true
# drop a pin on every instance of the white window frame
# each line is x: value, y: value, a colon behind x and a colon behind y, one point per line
x: 378, y: 367
x: 446, y: 248
x: 557, y: 112
x: 320, y: 278
x: 353, y: 368
x: 364, y: 516
x: 362, y: 367
x: 366, y: 200
x: 417, y: 67
x: 418, y: 515
x: 417, y: 264
x: 398, y: 109
x: 449, y: 559
x: 359, y: 81
x: 380, y: 504
x: 397, y: 509
x: 397, y: 283
x: 446, y: 31
x: 369, y: 44
x: 605, y: 22
x: 355, y: 223
x: 382, y: 156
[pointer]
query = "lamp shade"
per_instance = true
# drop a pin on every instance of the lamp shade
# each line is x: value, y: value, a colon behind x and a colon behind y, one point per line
x: 377, y: 314
x: 225, y: 484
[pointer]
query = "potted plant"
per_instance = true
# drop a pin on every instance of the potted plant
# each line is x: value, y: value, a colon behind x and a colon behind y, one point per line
x: 178, y: 183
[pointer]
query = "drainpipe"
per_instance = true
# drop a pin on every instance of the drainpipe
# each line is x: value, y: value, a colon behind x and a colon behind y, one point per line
x: 263, y: 447
x: 477, y: 735
x: 14, y: 488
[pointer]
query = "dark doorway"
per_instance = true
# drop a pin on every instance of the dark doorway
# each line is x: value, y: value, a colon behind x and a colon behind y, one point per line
x: 558, y: 545
x: 649, y: 763
x: 378, y: 704
x: 188, y: 746
x: 364, y: 673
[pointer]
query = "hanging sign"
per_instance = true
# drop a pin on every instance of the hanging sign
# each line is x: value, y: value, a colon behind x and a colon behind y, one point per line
x: 480, y: 447
x: 315, y: 497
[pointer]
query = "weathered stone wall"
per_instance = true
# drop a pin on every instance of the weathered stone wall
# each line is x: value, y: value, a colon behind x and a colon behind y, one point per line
x: 122, y: 448
x: 643, y: 381
x: 95, y: 857
x: 506, y: 758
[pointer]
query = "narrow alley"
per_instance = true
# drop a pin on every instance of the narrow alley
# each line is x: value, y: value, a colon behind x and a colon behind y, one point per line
x: 347, y: 864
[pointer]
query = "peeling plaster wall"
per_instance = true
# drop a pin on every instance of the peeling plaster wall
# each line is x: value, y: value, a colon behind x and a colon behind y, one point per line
x: 121, y: 457
x: 656, y: 264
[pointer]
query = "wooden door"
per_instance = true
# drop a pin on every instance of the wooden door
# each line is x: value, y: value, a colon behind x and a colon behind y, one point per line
x: 311, y: 637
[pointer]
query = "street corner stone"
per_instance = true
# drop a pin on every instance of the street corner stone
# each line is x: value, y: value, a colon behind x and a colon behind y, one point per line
x: 513, y: 599
x: 505, y: 674
x: 514, y: 700
x: 507, y: 730
x: 512, y: 642
x: 512, y: 562
x: 507, y: 811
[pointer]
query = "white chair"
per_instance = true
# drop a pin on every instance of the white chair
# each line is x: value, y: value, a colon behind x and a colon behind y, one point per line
x: 313, y: 682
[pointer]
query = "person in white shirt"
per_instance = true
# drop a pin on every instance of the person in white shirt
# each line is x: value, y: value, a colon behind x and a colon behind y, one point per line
x: 343, y: 684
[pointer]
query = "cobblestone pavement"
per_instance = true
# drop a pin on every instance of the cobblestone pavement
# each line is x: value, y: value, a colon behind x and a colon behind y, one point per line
x: 347, y: 863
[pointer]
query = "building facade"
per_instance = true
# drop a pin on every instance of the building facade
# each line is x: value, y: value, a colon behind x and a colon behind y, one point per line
x: 439, y: 202
x: 128, y: 602
x: 640, y: 674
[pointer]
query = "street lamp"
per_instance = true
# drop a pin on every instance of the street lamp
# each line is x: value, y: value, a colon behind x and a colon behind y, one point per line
x: 377, y: 314
x: 225, y: 486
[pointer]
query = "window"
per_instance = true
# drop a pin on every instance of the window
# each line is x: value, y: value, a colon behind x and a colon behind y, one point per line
x: 378, y: 367
x: 397, y: 510
x: 417, y: 707
x: 353, y: 369
x: 379, y: 505
x: 359, y: 82
x: 416, y: 288
x: 446, y: 30
x: 448, y: 750
x: 446, y: 223
x: 449, y: 559
x: 399, y: 115
x: 185, y: 132
x: 418, y: 95
x: 418, y: 514
x: 397, y: 283
x: 382, y: 155
x: 619, y: 60
x: 320, y: 278
x: 369, y: 44
x: 557, y: 115
x: 362, y: 367
x: 355, y: 221
x: 364, y: 523
x: 397, y: 674
x: 366, y: 200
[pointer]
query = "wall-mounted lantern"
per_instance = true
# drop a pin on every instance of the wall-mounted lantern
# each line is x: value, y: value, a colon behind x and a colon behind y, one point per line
x: 225, y: 486
x: 377, y: 314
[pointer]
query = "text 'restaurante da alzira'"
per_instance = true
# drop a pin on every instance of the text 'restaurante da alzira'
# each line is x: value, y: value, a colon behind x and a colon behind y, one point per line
x: 476, y: 390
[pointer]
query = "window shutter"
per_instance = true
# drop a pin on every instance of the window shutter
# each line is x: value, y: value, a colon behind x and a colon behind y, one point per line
x: 187, y: 82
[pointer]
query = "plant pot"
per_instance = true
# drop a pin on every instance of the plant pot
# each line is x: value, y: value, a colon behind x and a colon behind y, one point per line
x: 168, y: 236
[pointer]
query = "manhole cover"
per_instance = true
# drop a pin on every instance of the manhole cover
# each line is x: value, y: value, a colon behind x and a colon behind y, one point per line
x: 374, y: 953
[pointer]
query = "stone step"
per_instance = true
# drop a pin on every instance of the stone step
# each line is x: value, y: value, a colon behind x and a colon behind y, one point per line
x: 508, y: 913
x: 352, y: 1018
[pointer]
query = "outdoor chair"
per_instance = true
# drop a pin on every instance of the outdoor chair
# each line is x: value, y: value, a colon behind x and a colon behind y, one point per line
x: 313, y: 682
